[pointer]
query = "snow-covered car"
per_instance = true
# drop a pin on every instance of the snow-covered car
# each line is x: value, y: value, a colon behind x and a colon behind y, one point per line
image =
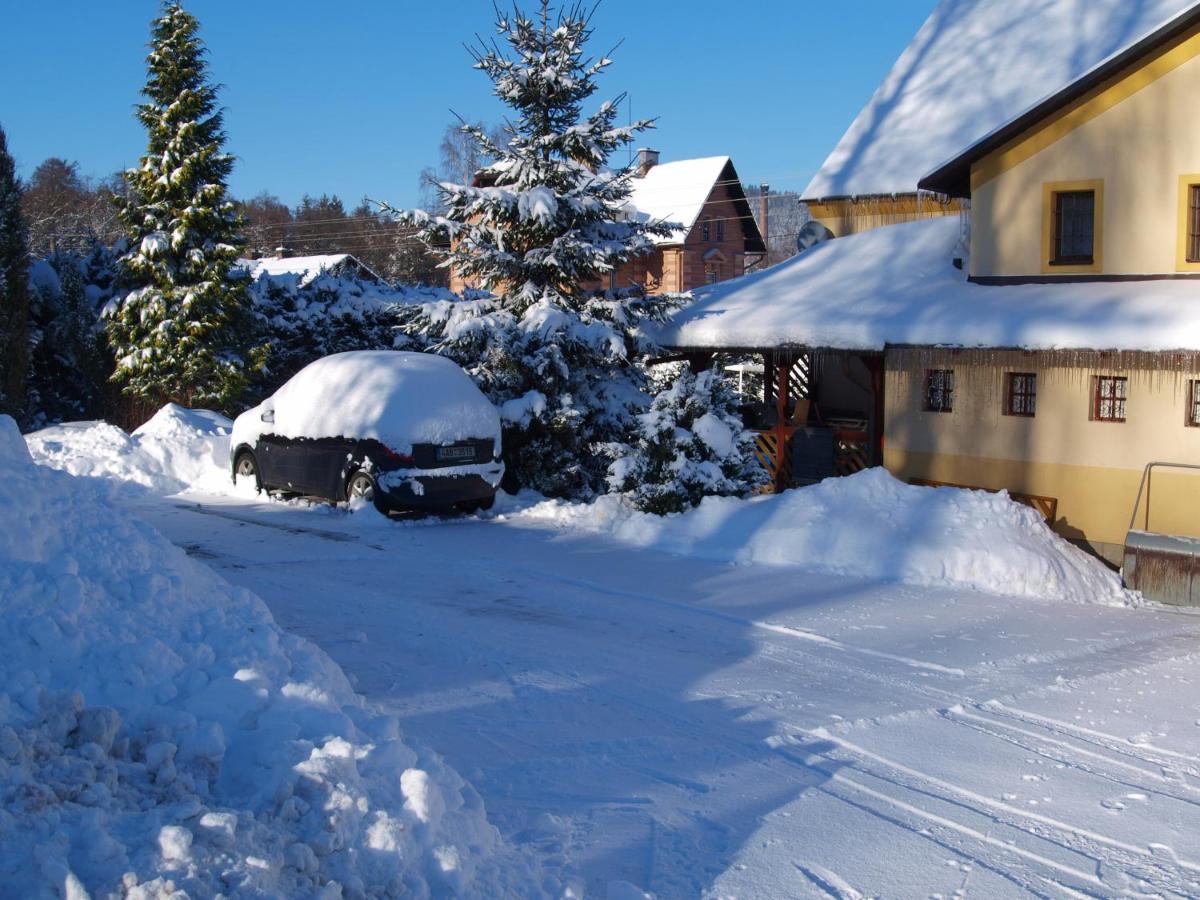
x: 403, y: 430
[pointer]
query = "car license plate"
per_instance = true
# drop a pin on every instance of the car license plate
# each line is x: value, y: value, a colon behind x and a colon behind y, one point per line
x: 456, y: 454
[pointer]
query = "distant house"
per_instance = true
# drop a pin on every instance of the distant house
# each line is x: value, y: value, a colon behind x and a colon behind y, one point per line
x: 717, y: 234
x: 972, y: 67
x: 305, y: 268
x: 1046, y: 342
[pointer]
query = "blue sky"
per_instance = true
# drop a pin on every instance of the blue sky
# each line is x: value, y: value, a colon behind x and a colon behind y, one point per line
x: 352, y: 98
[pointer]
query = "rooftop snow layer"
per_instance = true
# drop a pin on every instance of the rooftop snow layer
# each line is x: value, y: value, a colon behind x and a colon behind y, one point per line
x: 973, y: 66
x: 898, y: 285
x: 306, y: 268
x: 677, y: 192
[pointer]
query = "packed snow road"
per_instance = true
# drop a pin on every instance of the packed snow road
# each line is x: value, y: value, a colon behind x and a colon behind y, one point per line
x: 690, y: 727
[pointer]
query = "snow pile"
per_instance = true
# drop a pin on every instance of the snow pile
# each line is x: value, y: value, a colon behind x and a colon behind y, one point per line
x: 177, y: 449
x: 868, y: 525
x: 159, y: 732
x: 397, y: 398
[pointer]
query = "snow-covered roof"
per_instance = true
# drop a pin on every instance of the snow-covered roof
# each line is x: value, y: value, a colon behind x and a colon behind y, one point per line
x: 305, y: 268
x: 973, y: 66
x: 898, y: 286
x: 677, y: 192
x: 953, y: 177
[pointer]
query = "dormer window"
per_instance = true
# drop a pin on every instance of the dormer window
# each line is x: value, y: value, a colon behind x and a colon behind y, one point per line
x: 1074, y: 228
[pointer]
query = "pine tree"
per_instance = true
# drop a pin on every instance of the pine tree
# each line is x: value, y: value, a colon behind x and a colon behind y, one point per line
x: 14, y: 297
x: 689, y: 445
x: 182, y: 331
x: 542, y: 226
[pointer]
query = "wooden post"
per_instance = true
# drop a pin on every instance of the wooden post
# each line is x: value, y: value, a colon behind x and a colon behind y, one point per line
x: 875, y: 365
x: 782, y: 429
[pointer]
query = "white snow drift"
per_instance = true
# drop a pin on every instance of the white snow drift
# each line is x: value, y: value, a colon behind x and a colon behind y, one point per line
x: 868, y: 525
x: 397, y: 398
x: 158, y: 731
x: 177, y: 449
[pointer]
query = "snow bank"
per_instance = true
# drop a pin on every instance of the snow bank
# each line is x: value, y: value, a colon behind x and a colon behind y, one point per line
x: 158, y: 731
x: 395, y: 397
x: 177, y: 449
x: 869, y: 525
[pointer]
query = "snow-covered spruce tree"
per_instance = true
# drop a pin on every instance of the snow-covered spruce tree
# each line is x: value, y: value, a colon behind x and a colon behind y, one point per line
x: 689, y: 445
x: 14, y: 296
x: 541, y: 227
x: 182, y: 332
x: 69, y: 366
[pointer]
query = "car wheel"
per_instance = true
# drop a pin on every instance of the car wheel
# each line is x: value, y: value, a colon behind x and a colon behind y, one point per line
x: 246, y: 466
x: 361, y: 484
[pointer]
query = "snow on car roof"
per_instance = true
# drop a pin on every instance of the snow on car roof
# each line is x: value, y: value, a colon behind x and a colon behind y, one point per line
x: 897, y: 285
x: 973, y: 66
x: 676, y: 192
x: 395, y: 397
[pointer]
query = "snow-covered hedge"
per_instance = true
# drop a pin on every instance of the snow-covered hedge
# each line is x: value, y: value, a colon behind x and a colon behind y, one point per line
x: 868, y: 525
x: 159, y: 732
x: 304, y: 317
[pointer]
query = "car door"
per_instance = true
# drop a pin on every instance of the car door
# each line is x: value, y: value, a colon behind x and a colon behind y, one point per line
x: 276, y: 455
x: 273, y: 452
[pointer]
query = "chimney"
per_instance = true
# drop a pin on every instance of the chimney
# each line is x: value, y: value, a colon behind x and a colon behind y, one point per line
x: 647, y: 160
x: 764, y: 218
x: 283, y: 251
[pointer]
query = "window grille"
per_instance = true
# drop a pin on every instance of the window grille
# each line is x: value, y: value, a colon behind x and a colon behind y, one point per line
x: 1022, y: 394
x: 1108, y: 399
x: 939, y: 390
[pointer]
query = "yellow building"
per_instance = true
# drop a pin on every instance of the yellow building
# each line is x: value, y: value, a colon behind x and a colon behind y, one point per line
x: 1046, y: 340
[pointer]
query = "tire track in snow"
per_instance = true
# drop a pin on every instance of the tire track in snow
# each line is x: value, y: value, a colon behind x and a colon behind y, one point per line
x: 1069, y: 753
x: 1144, y: 752
x: 1144, y: 862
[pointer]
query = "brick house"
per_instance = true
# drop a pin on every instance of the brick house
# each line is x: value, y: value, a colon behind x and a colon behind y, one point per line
x: 718, y: 234
x: 717, y: 237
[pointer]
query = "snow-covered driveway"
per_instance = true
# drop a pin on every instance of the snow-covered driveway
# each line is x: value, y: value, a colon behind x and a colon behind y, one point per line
x: 692, y: 727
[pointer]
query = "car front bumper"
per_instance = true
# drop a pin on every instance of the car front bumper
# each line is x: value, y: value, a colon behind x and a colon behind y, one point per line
x: 430, y: 489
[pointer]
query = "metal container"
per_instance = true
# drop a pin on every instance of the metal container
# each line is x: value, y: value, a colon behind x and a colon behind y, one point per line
x: 1164, y: 567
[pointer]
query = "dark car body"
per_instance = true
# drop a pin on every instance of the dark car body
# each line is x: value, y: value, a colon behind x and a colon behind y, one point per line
x: 322, y: 467
x: 404, y: 430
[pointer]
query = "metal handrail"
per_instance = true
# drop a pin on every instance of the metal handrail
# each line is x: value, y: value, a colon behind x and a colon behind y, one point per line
x: 1145, y: 484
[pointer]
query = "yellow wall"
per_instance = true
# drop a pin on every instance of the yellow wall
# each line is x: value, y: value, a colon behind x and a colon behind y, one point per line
x: 1139, y: 147
x: 1093, y: 468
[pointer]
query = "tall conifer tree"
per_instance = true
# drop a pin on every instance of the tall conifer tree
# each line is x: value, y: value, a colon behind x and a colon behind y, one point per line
x: 181, y: 333
x: 543, y: 226
x: 14, y: 295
